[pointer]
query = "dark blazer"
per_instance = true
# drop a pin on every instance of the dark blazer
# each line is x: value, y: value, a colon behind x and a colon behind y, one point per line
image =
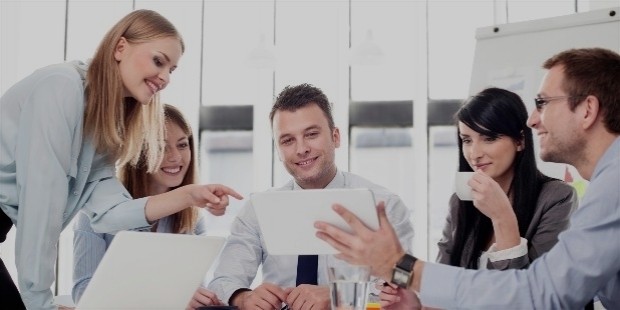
x: 556, y: 202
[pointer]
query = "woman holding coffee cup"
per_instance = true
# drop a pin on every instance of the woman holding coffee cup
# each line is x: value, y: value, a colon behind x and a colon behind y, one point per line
x: 515, y: 213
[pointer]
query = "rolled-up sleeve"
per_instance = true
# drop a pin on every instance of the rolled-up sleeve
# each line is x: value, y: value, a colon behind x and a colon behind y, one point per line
x: 110, y: 206
x: 399, y: 216
x: 244, y: 246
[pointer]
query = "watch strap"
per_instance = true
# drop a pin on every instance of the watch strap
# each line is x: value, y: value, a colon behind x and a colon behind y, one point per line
x: 406, y: 262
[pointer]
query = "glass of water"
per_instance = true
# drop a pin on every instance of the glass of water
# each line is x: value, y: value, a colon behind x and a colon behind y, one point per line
x: 348, y: 284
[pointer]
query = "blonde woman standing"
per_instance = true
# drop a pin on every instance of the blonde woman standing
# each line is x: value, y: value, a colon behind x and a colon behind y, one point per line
x: 62, y: 130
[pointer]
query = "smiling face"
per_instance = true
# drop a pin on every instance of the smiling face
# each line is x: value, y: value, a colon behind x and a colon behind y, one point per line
x: 556, y: 125
x: 145, y: 68
x: 306, y: 145
x: 177, y: 159
x: 494, y: 156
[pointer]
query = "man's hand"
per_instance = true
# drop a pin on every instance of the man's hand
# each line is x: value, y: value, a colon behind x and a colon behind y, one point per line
x: 203, y: 297
x: 379, y: 249
x: 266, y: 296
x: 308, y: 296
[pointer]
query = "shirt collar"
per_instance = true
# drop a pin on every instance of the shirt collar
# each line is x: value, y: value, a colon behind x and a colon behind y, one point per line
x: 336, y: 182
x: 609, y: 156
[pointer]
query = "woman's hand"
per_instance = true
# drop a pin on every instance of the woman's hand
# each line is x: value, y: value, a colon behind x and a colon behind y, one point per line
x: 489, y: 197
x: 492, y: 201
x: 389, y: 294
x: 213, y: 197
x: 395, y: 298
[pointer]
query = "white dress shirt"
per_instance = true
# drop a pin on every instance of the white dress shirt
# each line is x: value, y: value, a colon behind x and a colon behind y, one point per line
x: 245, y: 249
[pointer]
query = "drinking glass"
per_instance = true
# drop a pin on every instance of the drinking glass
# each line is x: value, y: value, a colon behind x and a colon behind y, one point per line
x: 348, y: 284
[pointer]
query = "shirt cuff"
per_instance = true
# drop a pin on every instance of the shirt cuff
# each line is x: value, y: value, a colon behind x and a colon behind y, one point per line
x: 124, y: 216
x: 510, y: 253
x: 439, y: 285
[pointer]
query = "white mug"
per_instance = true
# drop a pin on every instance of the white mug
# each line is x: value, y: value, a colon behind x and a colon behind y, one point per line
x: 463, y: 191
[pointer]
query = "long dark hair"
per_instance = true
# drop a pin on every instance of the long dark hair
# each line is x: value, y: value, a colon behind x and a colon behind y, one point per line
x: 496, y: 112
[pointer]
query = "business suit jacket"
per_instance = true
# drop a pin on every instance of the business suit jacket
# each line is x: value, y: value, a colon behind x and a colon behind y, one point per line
x: 556, y: 202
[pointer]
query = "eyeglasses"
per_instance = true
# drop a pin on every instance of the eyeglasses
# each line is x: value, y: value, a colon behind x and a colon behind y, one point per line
x: 540, y: 102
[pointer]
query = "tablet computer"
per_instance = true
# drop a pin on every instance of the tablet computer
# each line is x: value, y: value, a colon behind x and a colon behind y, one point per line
x: 286, y: 218
x: 144, y: 270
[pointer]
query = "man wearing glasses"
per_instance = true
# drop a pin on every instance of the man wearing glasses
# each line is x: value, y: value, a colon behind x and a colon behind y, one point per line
x: 577, y: 118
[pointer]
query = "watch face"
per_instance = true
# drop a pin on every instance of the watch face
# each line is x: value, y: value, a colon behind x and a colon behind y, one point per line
x: 403, y: 271
x: 400, y: 277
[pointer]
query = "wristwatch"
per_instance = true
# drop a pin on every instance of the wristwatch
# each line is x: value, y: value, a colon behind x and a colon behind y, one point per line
x: 402, y: 275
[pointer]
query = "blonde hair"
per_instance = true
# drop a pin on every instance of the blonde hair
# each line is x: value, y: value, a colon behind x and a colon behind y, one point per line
x: 136, y: 177
x: 124, y: 128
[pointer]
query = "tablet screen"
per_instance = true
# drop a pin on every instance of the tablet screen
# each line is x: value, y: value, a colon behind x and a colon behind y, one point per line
x: 286, y: 218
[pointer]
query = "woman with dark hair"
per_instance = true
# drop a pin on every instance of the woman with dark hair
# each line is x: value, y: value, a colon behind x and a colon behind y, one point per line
x: 529, y: 209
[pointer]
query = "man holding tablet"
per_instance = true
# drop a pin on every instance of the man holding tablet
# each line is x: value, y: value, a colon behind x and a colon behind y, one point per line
x: 577, y: 116
x: 306, y: 139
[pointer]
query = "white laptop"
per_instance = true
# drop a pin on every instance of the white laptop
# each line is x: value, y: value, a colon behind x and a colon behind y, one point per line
x: 286, y: 218
x: 143, y: 270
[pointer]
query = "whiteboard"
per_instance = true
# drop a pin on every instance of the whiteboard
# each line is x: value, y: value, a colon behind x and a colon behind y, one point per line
x: 510, y: 56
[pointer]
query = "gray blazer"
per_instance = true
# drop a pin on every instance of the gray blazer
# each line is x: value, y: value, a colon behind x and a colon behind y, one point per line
x: 556, y: 202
